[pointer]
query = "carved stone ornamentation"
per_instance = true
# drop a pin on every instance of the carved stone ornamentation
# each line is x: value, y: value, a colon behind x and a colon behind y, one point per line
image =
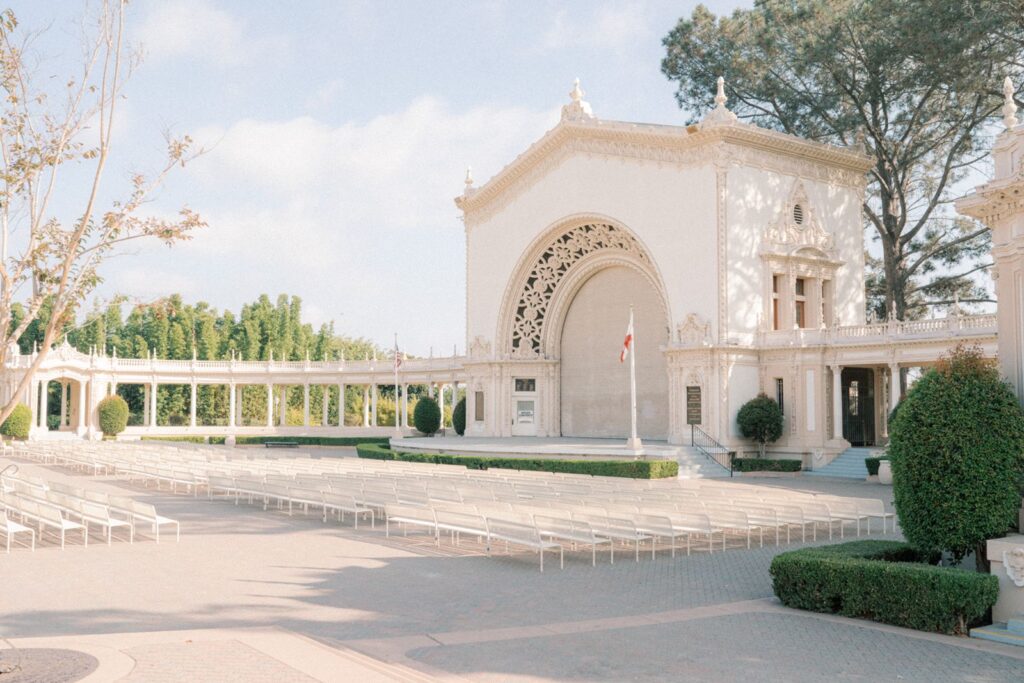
x: 479, y: 348
x: 1013, y: 563
x: 797, y: 227
x: 694, y: 331
x: 562, y: 254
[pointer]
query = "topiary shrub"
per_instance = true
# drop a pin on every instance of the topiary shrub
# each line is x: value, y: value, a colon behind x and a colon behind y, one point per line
x: 426, y: 417
x: 957, y: 455
x: 18, y: 423
x: 885, y: 581
x: 459, y: 417
x: 766, y: 465
x: 760, y: 419
x: 113, y: 411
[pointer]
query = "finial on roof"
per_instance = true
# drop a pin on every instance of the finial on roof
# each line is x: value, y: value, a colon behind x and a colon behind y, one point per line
x: 579, y: 109
x: 576, y: 94
x: 720, y: 114
x: 1009, y: 106
x: 468, y: 181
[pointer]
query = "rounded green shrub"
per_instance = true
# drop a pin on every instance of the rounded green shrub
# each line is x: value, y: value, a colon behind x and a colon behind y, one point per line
x: 18, y: 423
x: 113, y: 412
x: 459, y: 417
x: 957, y: 455
x: 426, y: 417
x: 760, y: 419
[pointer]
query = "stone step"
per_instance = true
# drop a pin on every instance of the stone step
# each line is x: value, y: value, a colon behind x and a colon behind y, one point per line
x: 999, y: 633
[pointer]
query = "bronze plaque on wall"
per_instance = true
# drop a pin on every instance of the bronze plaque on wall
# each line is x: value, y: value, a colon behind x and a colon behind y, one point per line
x: 693, y: 405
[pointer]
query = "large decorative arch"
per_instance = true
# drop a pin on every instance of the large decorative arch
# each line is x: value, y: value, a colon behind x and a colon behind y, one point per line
x: 554, y: 267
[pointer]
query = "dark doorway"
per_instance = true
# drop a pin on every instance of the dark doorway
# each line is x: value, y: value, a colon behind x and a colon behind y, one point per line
x: 859, y: 406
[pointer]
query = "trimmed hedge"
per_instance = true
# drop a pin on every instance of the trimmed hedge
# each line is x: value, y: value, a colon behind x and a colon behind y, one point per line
x: 873, y: 463
x: 635, y: 469
x: 185, y: 439
x: 113, y: 412
x: 313, y: 440
x: 426, y: 416
x: 459, y: 417
x: 886, y: 581
x: 255, y: 440
x: 765, y: 465
x: 18, y: 423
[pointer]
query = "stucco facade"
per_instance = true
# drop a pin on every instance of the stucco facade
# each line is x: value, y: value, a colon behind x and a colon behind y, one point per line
x: 750, y: 240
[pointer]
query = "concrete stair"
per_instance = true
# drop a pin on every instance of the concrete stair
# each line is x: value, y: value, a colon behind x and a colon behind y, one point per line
x: 849, y: 464
x: 1010, y: 633
x: 695, y: 465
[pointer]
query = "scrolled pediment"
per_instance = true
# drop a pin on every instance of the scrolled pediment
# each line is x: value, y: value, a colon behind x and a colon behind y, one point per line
x: 797, y: 230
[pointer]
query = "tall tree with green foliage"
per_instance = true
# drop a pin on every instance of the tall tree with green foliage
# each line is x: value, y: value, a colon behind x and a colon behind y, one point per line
x: 911, y: 82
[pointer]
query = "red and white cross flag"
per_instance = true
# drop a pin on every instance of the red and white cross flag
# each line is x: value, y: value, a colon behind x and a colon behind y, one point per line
x: 629, y: 340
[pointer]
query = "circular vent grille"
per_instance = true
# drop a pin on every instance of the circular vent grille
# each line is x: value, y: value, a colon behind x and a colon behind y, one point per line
x: 798, y: 214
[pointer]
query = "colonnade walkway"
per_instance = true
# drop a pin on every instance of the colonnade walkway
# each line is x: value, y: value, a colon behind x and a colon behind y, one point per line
x: 248, y: 590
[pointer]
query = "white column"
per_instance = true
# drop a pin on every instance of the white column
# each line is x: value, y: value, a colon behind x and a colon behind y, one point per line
x: 305, y: 404
x: 405, y: 405
x: 44, y: 401
x: 837, y: 402
x: 231, y: 405
x: 341, y: 405
x: 63, y: 403
x: 895, y: 385
x: 325, y: 404
x: 270, y: 405
x: 440, y: 402
x: 145, y: 404
x: 192, y: 407
x: 82, y: 400
x: 238, y: 405
x: 152, y: 405
x: 366, y: 406
x: 282, y: 406
x: 373, y: 405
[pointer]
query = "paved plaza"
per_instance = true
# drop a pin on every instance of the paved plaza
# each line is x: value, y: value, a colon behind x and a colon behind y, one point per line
x: 250, y: 595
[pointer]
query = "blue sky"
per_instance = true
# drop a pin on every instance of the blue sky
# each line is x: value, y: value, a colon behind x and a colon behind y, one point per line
x: 339, y: 132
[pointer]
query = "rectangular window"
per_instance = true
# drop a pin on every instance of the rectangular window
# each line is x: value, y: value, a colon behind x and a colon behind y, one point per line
x: 527, y: 384
x: 780, y: 396
x: 775, y: 301
x: 478, y: 406
x: 799, y: 310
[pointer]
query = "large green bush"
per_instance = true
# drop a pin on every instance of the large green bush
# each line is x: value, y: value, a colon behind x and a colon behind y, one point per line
x: 426, y: 417
x: 957, y: 453
x: 636, y: 469
x: 459, y: 417
x: 760, y: 419
x: 766, y: 465
x: 886, y: 581
x: 18, y: 423
x: 113, y: 411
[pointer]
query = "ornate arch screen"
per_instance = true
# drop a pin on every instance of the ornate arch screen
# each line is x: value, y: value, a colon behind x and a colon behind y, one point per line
x: 549, y: 270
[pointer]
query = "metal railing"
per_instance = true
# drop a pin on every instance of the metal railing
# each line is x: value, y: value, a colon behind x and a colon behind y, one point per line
x: 704, y: 443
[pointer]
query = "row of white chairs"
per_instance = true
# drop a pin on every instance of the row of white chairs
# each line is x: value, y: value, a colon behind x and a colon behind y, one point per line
x: 65, y: 508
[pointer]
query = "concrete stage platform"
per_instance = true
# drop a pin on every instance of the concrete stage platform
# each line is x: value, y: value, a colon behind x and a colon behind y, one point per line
x: 535, y: 447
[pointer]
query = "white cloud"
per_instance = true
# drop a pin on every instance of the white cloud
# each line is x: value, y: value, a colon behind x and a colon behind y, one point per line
x: 175, y: 28
x: 613, y: 26
x: 357, y: 219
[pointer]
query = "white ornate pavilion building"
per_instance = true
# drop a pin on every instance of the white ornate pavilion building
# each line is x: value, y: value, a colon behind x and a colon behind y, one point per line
x: 740, y: 249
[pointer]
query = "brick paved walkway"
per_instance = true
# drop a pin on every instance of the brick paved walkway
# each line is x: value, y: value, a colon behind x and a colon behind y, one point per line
x: 453, y: 614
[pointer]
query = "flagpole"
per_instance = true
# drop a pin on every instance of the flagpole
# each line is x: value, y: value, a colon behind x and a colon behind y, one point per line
x: 398, y: 430
x: 634, y: 440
